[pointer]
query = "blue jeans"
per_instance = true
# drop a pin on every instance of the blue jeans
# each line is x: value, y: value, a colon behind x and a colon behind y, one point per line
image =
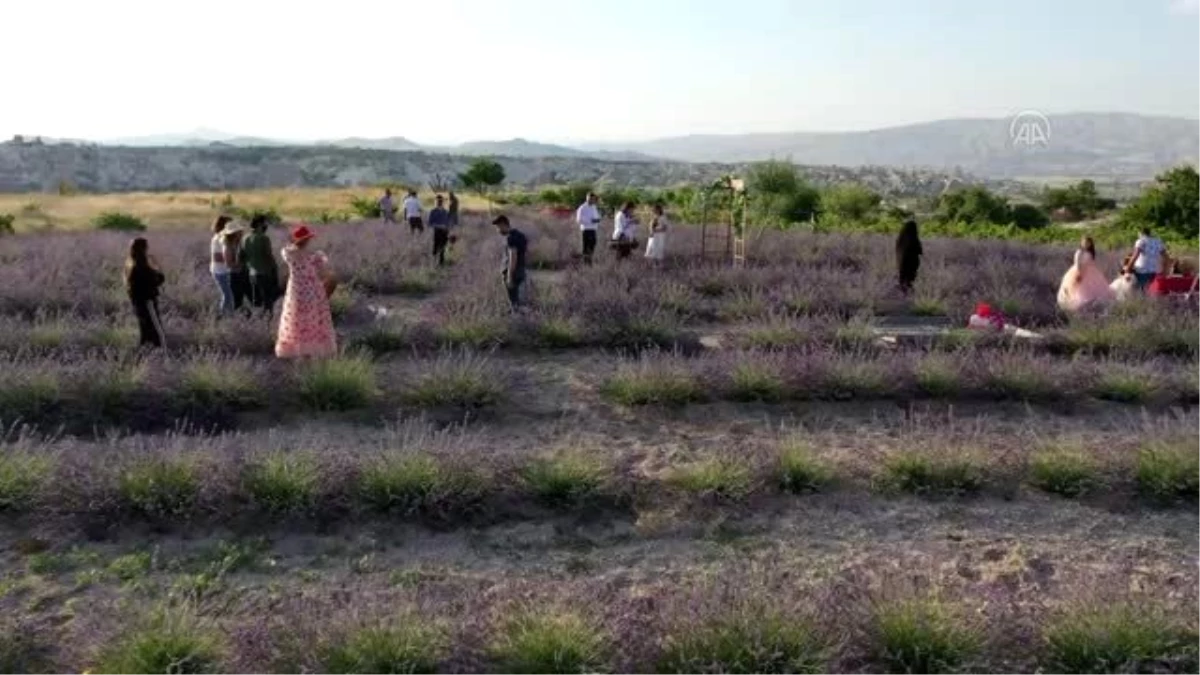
x: 1144, y: 279
x: 225, y: 285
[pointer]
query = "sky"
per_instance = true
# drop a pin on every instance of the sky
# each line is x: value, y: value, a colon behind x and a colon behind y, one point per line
x: 572, y: 71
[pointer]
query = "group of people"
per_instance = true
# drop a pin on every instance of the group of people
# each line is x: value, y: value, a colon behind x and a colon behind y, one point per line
x: 442, y: 218
x: 1148, y: 269
x: 624, y: 235
x: 246, y: 276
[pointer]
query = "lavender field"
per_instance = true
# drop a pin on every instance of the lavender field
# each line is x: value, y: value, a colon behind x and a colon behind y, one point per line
x: 685, y: 468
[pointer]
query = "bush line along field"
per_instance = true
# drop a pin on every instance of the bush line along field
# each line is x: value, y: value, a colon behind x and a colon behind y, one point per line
x: 685, y: 468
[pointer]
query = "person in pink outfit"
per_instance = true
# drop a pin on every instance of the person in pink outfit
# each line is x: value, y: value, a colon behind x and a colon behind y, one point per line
x: 1084, y: 285
x: 306, y: 326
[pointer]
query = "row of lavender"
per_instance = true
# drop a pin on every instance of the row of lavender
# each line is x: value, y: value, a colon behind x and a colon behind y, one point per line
x: 1136, y: 331
x: 769, y: 616
x: 154, y: 392
x: 789, y: 272
x: 468, y: 478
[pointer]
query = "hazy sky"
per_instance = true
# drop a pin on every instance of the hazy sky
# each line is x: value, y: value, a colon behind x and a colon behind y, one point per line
x: 563, y: 70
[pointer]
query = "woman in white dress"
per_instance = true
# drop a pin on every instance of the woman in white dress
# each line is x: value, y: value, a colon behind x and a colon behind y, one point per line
x: 1084, y: 285
x: 656, y: 248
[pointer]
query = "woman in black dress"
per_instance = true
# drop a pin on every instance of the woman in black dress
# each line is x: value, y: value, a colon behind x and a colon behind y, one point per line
x: 908, y: 254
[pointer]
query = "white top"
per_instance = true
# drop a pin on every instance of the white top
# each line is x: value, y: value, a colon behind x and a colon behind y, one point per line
x: 385, y: 204
x: 623, y: 224
x: 1082, y: 257
x: 588, y: 216
x: 217, y: 246
x: 412, y: 207
x: 1149, y: 259
x: 659, y: 224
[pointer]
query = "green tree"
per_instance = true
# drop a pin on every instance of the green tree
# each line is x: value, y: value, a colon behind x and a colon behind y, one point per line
x: 779, y: 196
x: 974, y: 204
x: 1081, y: 200
x: 481, y: 176
x: 1029, y: 217
x: 850, y: 202
x: 1171, y: 204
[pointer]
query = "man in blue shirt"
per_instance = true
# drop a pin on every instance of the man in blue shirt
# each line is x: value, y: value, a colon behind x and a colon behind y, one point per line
x: 515, y: 244
x: 439, y: 220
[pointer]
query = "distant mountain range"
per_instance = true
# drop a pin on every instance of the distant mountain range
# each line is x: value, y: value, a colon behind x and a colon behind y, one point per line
x: 1104, y: 146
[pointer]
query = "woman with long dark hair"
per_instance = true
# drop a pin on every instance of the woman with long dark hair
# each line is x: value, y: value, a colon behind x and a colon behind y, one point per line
x: 142, y: 281
x: 1084, y: 285
x: 908, y: 254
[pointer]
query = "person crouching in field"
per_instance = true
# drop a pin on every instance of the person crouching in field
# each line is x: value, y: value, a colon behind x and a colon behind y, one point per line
x: 306, y: 326
x: 142, y: 281
x: 908, y: 255
x: 439, y: 220
x: 259, y: 258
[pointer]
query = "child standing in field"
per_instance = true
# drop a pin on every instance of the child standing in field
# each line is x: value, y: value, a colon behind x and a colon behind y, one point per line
x: 306, y: 326
x: 217, y: 265
x: 259, y: 259
x: 142, y: 281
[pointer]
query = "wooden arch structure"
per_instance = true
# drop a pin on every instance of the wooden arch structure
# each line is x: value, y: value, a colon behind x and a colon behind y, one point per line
x: 733, y: 248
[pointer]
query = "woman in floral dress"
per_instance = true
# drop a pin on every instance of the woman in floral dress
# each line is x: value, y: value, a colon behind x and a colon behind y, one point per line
x: 306, y: 326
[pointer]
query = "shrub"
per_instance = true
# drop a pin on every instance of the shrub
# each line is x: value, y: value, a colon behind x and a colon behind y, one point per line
x: 120, y: 222
x: 6, y: 223
x: 938, y: 377
x: 343, y: 383
x: 210, y: 383
x: 411, y: 483
x: 472, y: 332
x: 922, y: 636
x: 169, y: 643
x: 414, y: 646
x: 746, y: 641
x: 800, y: 470
x: 559, y: 333
x: 649, y: 385
x: 1168, y: 472
x: 283, y: 482
x: 162, y: 487
x: 1063, y: 471
x: 548, y: 641
x: 465, y: 381
x: 1118, y: 638
x: 719, y: 477
x: 365, y: 207
x: 26, y: 396
x: 1124, y: 386
x: 751, y: 381
x: 851, y: 377
x: 921, y: 472
x: 1022, y: 381
x: 21, y: 650
x: 564, y: 478
x: 22, y: 476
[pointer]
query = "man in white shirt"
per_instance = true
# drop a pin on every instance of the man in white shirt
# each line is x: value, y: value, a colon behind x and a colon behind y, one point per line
x: 1147, y: 258
x: 412, y: 212
x: 588, y: 217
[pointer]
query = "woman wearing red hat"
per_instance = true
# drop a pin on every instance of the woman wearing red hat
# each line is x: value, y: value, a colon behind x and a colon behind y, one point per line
x: 306, y: 327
